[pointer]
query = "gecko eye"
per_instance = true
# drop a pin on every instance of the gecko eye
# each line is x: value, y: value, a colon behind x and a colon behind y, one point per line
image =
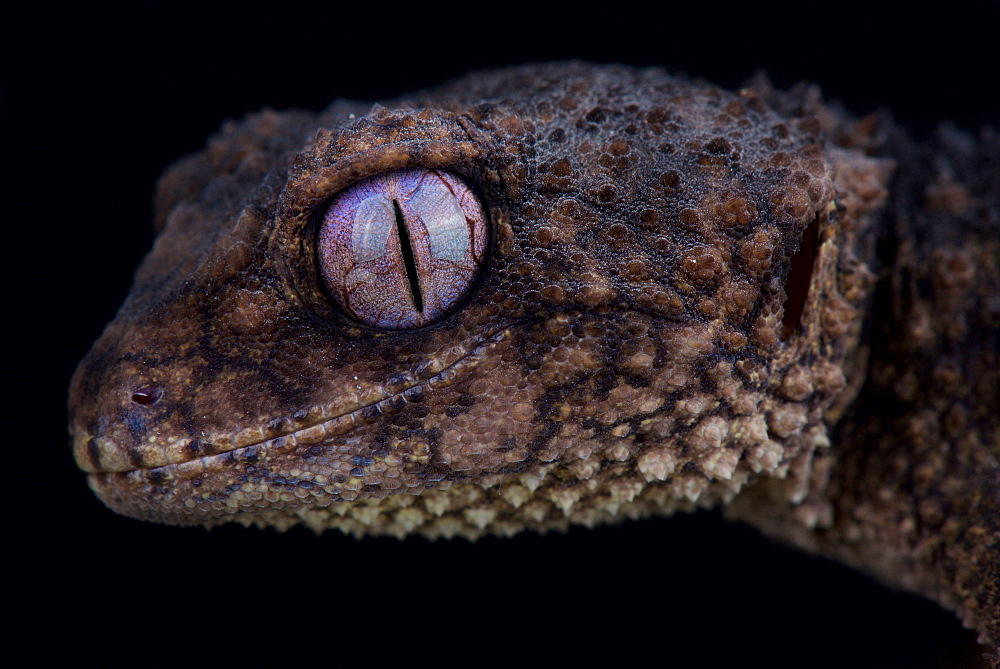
x: 401, y: 249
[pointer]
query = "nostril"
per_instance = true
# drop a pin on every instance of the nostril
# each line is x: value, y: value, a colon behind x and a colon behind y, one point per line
x: 150, y: 394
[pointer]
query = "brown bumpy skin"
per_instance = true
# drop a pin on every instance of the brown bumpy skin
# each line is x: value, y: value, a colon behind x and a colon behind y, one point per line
x: 691, y: 297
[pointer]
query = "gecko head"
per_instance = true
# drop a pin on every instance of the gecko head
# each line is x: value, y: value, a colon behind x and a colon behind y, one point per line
x: 533, y: 297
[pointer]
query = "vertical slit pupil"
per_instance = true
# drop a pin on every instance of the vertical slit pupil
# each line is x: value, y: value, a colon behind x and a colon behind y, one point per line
x: 408, y: 260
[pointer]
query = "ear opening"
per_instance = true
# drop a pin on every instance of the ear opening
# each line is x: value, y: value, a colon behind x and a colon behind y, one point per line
x: 799, y: 279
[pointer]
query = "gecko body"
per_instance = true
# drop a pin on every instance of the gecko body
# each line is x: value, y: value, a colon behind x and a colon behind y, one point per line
x: 672, y: 296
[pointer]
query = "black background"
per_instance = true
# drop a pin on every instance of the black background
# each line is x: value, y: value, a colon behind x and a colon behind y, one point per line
x: 97, y: 102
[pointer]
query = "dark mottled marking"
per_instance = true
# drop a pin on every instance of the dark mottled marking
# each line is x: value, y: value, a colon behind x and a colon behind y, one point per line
x: 94, y: 454
x: 135, y: 457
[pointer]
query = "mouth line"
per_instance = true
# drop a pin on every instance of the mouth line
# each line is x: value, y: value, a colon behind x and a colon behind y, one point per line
x: 278, y: 435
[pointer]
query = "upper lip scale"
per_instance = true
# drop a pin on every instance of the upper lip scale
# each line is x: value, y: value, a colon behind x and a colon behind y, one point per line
x: 491, y: 339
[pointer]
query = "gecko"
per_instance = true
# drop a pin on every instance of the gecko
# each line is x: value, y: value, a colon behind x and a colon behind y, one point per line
x: 571, y: 294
